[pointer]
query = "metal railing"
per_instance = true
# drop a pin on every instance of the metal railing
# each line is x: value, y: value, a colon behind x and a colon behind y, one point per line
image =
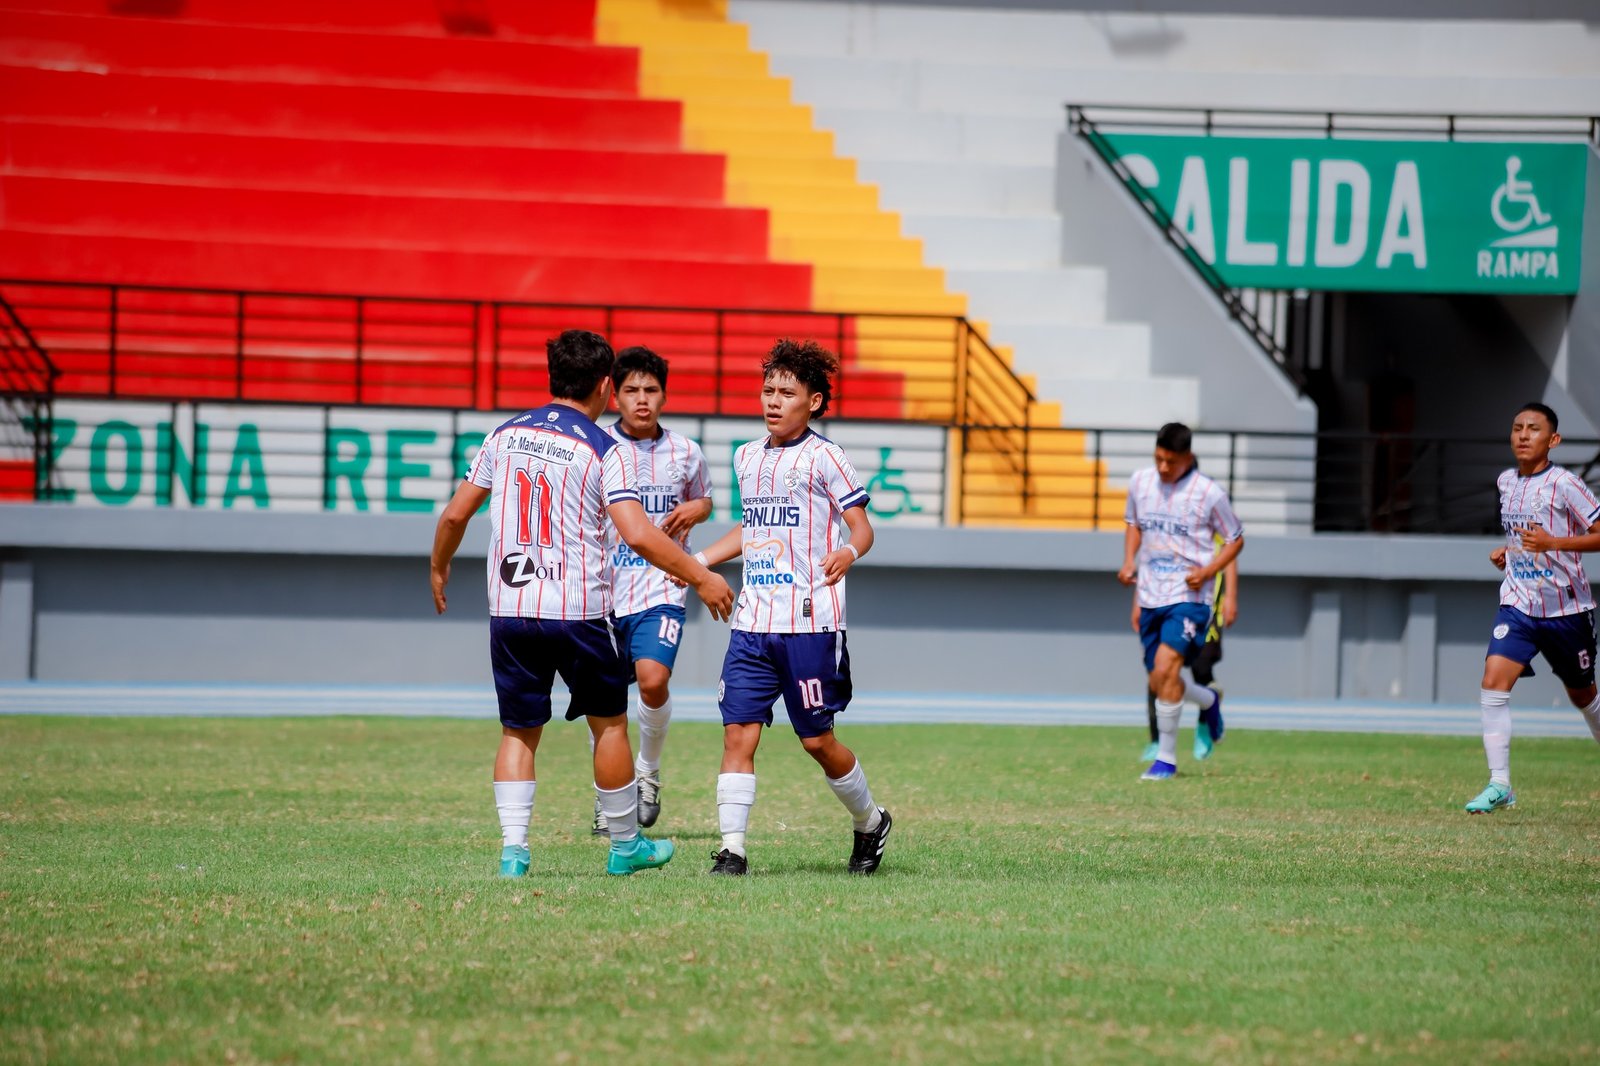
x: 27, y: 389
x: 324, y: 458
x: 191, y: 344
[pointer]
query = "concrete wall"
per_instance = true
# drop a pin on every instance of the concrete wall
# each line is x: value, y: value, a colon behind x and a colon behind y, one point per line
x: 160, y: 595
x: 1191, y: 333
x: 1577, y: 360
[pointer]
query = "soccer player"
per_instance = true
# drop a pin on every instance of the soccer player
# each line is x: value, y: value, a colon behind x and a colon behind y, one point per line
x: 676, y: 490
x: 788, y: 637
x: 552, y: 477
x: 1175, y: 514
x: 1546, y: 608
x: 1224, y: 611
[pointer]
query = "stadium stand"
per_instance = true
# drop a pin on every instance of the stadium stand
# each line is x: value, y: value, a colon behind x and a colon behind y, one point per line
x: 367, y: 150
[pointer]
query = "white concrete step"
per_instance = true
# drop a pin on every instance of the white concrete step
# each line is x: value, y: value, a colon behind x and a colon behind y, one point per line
x: 964, y: 187
x: 1105, y: 350
x: 1057, y: 295
x: 1347, y: 47
x: 983, y: 241
x: 1115, y: 403
x: 905, y: 135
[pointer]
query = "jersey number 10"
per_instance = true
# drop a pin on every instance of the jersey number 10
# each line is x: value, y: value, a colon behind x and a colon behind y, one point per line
x: 531, y: 491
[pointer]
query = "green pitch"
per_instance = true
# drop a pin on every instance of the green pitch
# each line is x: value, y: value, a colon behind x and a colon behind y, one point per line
x: 322, y: 890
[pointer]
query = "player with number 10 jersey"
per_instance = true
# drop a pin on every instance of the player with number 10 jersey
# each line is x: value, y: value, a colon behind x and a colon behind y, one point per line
x: 796, y: 489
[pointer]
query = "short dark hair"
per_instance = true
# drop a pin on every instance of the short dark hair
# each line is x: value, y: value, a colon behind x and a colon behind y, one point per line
x: 638, y: 360
x: 1535, y: 405
x: 1175, y: 437
x: 578, y: 361
x: 807, y: 362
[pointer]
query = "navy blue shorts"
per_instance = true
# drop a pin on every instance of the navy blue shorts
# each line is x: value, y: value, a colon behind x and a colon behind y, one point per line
x: 528, y: 653
x: 652, y: 634
x: 811, y: 671
x: 1180, y: 626
x: 1566, y: 642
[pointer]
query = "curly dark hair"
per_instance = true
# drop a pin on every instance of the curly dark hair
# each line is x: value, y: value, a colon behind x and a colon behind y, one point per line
x: 807, y: 362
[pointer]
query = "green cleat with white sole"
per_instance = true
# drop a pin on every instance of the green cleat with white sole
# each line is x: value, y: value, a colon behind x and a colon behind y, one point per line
x: 1492, y: 799
x: 514, y: 860
x: 640, y: 853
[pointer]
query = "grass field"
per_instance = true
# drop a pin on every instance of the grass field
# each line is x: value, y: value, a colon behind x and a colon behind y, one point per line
x: 309, y: 890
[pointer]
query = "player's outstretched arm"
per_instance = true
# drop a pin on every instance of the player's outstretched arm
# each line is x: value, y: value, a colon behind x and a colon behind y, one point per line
x: 448, y: 533
x: 726, y: 547
x: 685, y: 517
x: 837, y: 563
x: 1230, y: 594
x: 662, y: 552
x: 1130, y: 555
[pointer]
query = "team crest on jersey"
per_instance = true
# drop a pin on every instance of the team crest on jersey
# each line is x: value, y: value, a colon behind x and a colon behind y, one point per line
x: 675, y: 472
x: 797, y: 474
x: 552, y: 416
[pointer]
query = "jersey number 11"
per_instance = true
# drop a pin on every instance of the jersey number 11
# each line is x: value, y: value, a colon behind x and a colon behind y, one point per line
x: 531, y: 491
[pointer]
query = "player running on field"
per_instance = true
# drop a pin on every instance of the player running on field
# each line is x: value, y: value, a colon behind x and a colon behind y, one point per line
x: 1175, y: 515
x: 552, y: 477
x: 1550, y: 518
x: 1224, y: 610
x: 675, y: 488
x: 788, y: 638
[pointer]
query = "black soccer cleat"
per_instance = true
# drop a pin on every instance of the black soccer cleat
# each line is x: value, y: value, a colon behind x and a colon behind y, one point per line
x: 725, y: 863
x: 649, y: 798
x: 868, y: 850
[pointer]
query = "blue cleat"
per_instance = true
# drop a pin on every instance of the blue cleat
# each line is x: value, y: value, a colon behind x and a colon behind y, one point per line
x: 1211, y: 721
x: 514, y: 860
x: 1492, y: 799
x: 1159, y: 771
x: 640, y: 853
x: 1152, y: 752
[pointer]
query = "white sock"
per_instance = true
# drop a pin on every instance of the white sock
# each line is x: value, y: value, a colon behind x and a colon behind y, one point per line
x: 1167, y: 723
x: 653, y: 723
x: 1591, y: 714
x: 1496, y: 708
x: 514, y: 801
x: 621, y: 808
x: 736, y: 794
x: 856, y: 796
x: 1199, y: 694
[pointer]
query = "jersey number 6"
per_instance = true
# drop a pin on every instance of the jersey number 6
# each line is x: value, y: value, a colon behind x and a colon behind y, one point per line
x: 530, y: 491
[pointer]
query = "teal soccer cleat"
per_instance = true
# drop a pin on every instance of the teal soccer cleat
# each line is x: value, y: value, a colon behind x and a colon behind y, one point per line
x: 1152, y: 752
x: 1209, y: 729
x: 1492, y: 799
x: 640, y: 853
x: 514, y: 861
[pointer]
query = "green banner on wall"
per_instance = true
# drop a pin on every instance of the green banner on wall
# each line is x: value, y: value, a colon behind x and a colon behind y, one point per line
x: 1395, y: 216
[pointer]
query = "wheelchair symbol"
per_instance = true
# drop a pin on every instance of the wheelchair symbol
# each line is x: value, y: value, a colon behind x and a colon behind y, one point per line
x: 1516, y: 191
x: 887, y: 483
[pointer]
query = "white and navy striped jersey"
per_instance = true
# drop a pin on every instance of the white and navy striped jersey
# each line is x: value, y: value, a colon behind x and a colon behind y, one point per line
x: 794, y: 498
x: 1178, y: 525
x: 551, y: 474
x: 1546, y: 584
x: 671, y: 469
